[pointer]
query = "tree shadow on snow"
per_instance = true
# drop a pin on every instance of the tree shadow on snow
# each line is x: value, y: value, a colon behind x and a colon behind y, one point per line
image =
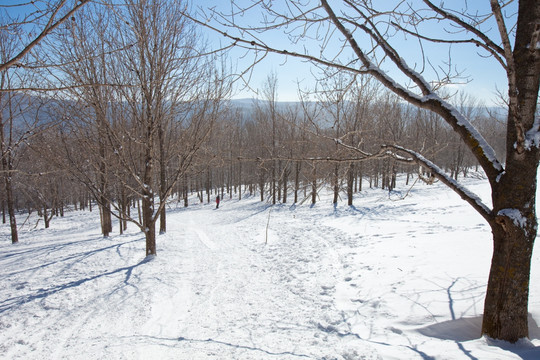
x: 467, y: 329
x: 243, y: 347
x: 16, y: 301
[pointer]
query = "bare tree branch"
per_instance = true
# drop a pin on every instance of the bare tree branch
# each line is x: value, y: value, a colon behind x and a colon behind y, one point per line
x: 51, y: 25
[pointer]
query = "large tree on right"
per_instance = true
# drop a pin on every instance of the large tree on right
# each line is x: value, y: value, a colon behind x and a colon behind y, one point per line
x: 512, y: 217
x: 363, y: 37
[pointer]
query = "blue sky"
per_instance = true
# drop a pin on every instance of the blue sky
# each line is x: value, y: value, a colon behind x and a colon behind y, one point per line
x: 484, y: 74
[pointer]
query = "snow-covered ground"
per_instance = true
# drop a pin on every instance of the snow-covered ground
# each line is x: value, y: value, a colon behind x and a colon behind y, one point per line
x: 389, y: 278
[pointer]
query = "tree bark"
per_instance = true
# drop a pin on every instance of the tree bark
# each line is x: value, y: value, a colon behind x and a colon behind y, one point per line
x: 336, y: 184
x: 162, y: 179
x: 7, y: 167
x: 350, y: 184
x: 10, y: 202
x: 149, y: 223
x: 285, y: 181
x: 106, y: 218
x: 514, y: 191
x: 506, y: 304
x: 296, y: 181
x: 314, y: 184
x: 514, y: 232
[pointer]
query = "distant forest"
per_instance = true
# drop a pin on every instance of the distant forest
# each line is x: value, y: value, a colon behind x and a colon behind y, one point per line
x: 283, y: 152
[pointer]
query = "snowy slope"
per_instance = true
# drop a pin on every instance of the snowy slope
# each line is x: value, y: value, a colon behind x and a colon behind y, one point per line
x: 389, y: 278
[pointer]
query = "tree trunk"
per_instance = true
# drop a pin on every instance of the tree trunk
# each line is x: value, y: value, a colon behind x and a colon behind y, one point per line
x: 314, y: 185
x: 261, y: 183
x: 279, y: 180
x: 185, y: 191
x: 150, y: 234
x: 285, y: 181
x: 361, y: 178
x: 514, y: 191
x: 514, y: 232
x: 149, y: 223
x: 3, y: 211
x: 296, y: 181
x: 7, y: 167
x: 350, y: 184
x: 103, y: 201
x: 11, y: 210
x: 208, y: 182
x: 506, y: 303
x: 162, y: 220
x: 240, y: 180
x: 46, y: 217
x: 162, y: 177
x: 273, y: 182
x: 336, y: 184
x: 106, y: 218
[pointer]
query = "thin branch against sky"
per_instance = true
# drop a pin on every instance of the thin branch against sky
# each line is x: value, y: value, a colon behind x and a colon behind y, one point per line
x: 473, y: 70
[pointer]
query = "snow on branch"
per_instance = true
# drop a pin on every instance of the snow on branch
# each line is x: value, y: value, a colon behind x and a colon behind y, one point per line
x: 463, y: 192
x: 429, y: 100
x: 515, y: 215
x: 472, y: 137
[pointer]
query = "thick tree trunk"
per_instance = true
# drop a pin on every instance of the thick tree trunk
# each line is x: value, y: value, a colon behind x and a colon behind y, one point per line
x: 514, y: 231
x: 149, y: 223
x: 106, y: 217
x: 46, y: 217
x: 506, y: 303
x: 163, y: 220
x: 514, y: 191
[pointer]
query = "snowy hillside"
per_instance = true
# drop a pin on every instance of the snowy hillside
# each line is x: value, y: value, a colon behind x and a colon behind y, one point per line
x: 389, y: 278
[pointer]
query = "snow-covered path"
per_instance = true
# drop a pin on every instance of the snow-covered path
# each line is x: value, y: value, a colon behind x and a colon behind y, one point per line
x: 388, y: 279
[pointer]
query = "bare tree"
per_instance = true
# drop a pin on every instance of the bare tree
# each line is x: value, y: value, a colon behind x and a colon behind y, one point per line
x: 7, y: 136
x: 514, y: 45
x: 84, y: 56
x: 19, y: 117
x: 137, y: 133
x: 175, y: 91
x: 270, y: 96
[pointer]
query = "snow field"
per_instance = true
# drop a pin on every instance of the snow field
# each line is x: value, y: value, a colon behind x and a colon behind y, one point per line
x: 390, y: 278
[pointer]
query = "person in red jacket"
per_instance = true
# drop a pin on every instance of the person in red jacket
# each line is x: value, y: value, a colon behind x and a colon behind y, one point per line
x: 217, y: 202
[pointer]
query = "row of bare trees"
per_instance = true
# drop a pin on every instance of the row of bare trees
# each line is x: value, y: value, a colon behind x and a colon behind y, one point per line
x: 137, y: 95
x: 282, y: 149
x: 284, y: 152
